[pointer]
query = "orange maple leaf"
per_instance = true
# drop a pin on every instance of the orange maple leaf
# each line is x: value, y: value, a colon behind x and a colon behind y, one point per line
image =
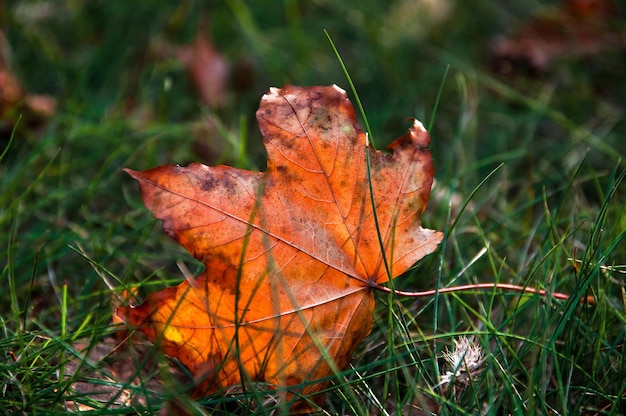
x: 292, y: 253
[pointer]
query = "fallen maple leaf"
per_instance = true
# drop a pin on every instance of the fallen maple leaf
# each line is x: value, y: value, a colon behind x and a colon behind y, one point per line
x: 292, y: 253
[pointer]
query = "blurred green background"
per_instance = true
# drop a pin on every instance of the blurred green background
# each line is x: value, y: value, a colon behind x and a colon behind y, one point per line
x: 121, y: 92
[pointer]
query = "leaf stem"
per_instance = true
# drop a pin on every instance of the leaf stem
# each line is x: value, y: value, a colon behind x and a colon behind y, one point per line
x: 480, y: 286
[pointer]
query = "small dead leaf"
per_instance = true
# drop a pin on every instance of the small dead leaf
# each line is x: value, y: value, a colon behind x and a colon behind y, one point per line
x: 106, y: 374
x: 209, y: 74
x: 14, y: 101
x: 207, y: 69
x: 291, y: 253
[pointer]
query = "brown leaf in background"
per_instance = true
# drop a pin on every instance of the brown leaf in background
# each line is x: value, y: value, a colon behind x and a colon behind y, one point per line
x: 577, y: 27
x: 209, y: 74
x: 14, y: 101
x: 207, y: 68
x: 291, y: 253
